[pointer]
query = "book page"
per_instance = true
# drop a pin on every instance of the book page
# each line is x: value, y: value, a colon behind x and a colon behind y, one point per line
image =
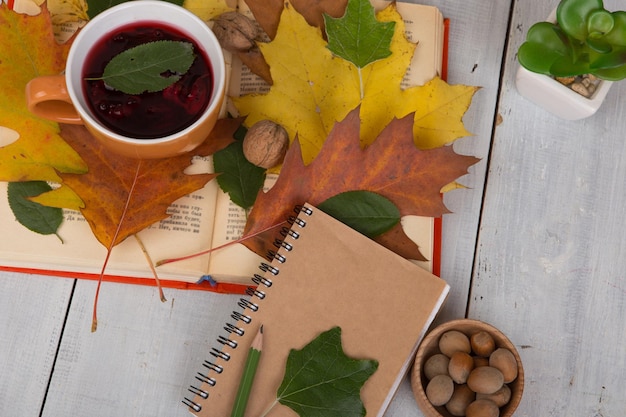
x: 187, y: 230
x: 230, y: 221
x: 424, y: 26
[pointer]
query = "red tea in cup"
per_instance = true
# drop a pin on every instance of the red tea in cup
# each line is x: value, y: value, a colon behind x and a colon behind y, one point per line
x: 148, y: 125
x: 147, y: 115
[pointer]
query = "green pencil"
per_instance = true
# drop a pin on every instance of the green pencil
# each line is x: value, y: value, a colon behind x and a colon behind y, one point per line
x: 245, y: 386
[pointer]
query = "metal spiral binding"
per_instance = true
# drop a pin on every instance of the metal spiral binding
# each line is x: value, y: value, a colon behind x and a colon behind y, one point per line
x: 254, y: 292
x: 241, y: 317
x: 228, y: 342
x: 198, y: 391
x: 261, y: 280
x: 231, y: 328
x: 205, y: 379
x: 220, y: 354
x: 247, y: 304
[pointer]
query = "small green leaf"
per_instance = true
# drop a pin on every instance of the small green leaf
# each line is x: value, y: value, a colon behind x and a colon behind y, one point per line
x: 321, y: 381
x: 357, y: 36
x: 238, y: 177
x: 366, y: 212
x: 572, y: 16
x: 34, y: 216
x: 617, y: 36
x: 599, y: 23
x: 150, y: 67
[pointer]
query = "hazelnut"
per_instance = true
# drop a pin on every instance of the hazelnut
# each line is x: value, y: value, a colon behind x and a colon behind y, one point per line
x: 453, y: 341
x: 265, y: 144
x: 439, y: 390
x: 460, y: 366
x: 505, y: 361
x: 485, y: 380
x: 482, y: 343
x: 460, y: 399
x: 436, y: 365
x: 501, y: 397
x: 482, y: 408
x: 235, y: 32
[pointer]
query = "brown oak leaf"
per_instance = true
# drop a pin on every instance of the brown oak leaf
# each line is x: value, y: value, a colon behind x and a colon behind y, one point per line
x: 155, y: 183
x: 391, y: 166
x: 267, y: 12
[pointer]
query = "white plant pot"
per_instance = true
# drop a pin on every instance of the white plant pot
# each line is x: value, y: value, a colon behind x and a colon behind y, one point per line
x: 557, y: 98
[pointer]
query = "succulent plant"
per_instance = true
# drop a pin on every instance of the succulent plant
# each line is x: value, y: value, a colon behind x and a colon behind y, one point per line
x: 586, y: 39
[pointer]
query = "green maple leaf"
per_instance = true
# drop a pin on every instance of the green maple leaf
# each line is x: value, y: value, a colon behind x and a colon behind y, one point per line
x: 321, y: 381
x: 358, y: 36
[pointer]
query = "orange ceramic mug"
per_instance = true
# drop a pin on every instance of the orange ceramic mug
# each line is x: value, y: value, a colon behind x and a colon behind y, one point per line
x: 67, y: 98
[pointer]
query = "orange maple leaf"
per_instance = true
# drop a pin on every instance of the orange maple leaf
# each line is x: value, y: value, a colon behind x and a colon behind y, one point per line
x: 391, y: 166
x: 155, y: 184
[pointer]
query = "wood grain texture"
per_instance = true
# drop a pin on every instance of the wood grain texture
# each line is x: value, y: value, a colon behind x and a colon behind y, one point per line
x: 476, y: 43
x: 143, y: 356
x: 473, y: 26
x: 32, y: 314
x: 550, y: 260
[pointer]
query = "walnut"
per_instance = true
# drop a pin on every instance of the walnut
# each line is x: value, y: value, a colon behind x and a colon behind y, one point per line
x: 235, y: 32
x: 265, y: 144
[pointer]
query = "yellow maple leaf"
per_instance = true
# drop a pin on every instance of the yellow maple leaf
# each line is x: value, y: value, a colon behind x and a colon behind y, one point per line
x: 207, y: 10
x: 29, y: 50
x: 438, y: 106
x: 62, y: 197
x: 313, y: 90
x: 308, y: 95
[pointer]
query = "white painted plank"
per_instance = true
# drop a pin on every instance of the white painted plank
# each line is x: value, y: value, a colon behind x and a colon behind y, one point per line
x: 143, y: 356
x: 476, y: 43
x: 550, y: 261
x: 32, y: 312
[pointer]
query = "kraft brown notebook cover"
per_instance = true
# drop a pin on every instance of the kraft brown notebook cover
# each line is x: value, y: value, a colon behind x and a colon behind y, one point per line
x: 325, y: 274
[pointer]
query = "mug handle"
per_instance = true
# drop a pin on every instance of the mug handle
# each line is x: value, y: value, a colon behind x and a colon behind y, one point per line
x: 47, y: 97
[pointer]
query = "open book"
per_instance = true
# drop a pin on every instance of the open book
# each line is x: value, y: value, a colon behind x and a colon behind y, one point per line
x: 206, y: 218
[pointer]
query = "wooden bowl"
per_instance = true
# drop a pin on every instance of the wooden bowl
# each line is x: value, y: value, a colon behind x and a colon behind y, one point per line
x: 430, y: 346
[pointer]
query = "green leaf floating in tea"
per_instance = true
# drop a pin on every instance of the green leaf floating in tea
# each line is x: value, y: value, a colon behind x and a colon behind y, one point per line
x: 149, y: 67
x: 321, y: 381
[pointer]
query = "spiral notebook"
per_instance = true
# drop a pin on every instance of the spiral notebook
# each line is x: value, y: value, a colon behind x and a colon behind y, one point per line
x: 323, y: 274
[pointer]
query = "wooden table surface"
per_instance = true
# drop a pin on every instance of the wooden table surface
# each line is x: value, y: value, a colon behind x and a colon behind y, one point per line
x: 535, y: 246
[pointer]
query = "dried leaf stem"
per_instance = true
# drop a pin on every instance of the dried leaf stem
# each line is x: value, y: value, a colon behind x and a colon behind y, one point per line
x: 232, y: 242
x: 94, y: 319
x: 151, y: 265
